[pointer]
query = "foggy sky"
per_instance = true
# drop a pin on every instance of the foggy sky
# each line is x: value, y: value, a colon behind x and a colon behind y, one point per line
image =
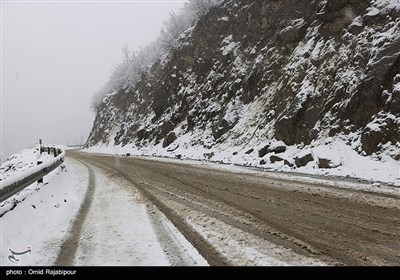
x: 55, y: 55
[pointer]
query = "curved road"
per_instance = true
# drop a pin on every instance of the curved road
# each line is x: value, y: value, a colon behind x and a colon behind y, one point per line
x: 239, y: 219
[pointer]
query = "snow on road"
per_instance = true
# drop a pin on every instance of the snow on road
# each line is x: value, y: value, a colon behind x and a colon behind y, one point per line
x: 42, y: 219
x: 245, y: 249
x: 239, y: 247
x: 119, y: 231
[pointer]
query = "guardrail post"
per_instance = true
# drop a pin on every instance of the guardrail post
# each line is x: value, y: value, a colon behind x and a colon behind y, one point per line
x: 55, y: 152
x: 40, y: 181
x: 40, y: 146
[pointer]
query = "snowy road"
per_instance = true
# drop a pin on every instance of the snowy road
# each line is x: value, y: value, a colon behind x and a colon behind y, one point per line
x: 258, y: 219
x: 116, y: 226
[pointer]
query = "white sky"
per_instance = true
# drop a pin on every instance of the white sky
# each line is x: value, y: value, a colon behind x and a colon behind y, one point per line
x: 56, y: 54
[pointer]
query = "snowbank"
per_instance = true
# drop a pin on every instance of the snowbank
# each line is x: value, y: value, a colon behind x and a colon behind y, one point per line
x: 23, y: 164
x: 338, y: 154
x: 43, y: 218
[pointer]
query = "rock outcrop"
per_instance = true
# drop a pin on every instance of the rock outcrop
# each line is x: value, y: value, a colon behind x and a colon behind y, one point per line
x: 253, y: 71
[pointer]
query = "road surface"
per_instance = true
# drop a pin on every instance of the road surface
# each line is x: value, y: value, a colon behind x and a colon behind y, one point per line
x: 257, y: 219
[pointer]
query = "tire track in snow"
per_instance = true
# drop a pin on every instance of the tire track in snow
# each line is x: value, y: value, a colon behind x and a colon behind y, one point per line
x: 338, y: 226
x: 69, y: 247
x: 178, y: 251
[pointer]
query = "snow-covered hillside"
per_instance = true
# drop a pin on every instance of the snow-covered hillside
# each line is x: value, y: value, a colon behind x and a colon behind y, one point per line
x: 20, y: 162
x: 303, y: 86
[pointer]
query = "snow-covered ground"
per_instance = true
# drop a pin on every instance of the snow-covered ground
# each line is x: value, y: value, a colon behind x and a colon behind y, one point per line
x: 20, y: 165
x: 345, y: 161
x: 21, y: 162
x: 43, y: 218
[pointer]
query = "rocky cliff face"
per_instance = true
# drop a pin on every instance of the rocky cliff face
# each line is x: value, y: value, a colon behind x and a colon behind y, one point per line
x: 269, y: 74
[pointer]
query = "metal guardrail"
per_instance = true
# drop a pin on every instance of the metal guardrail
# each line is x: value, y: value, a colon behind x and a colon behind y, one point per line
x: 50, y: 150
x: 15, y: 184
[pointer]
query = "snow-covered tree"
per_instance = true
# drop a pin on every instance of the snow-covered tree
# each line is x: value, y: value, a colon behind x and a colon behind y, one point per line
x: 127, y: 74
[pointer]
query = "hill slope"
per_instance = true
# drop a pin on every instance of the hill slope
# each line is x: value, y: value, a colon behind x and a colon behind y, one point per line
x: 284, y: 84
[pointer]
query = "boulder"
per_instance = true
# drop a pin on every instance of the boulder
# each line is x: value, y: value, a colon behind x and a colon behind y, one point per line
x: 355, y: 29
x: 274, y: 159
x: 278, y: 150
x: 166, y: 128
x: 304, y: 160
x: 220, y: 129
x: 249, y: 151
x: 263, y: 151
x: 293, y: 32
x: 209, y: 155
x: 386, y: 130
x: 263, y: 162
x: 395, y: 102
x: 324, y: 163
x: 169, y: 139
x: 141, y: 134
x: 288, y: 163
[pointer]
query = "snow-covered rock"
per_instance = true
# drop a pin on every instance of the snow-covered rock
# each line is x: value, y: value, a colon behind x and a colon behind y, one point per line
x: 304, y: 74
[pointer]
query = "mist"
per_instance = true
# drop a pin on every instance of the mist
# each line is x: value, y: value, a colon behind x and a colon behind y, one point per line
x: 56, y: 55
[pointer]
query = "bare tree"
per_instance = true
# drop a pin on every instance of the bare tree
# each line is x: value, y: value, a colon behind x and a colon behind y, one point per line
x: 128, y: 73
